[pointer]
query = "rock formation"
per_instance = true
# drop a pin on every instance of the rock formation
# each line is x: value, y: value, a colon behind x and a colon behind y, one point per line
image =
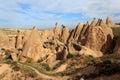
x: 96, y: 36
x: 87, y: 51
x: 46, y: 35
x: 78, y: 30
x: 4, y: 40
x: 19, y: 40
x: 95, y: 39
x: 64, y: 34
x: 56, y: 31
x: 109, y: 22
x: 14, y: 56
x: 109, y: 37
x: 83, y: 34
x: 26, y: 36
x: 33, y: 46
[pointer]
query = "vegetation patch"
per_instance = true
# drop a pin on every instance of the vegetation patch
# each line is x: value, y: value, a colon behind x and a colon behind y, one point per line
x: 116, y: 32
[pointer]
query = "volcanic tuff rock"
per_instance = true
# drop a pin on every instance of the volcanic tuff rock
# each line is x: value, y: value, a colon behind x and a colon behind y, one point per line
x: 95, y: 39
x: 87, y: 51
x: 83, y: 34
x: 78, y: 30
x: 26, y: 36
x: 64, y: 34
x: 57, y: 31
x: 19, y: 40
x: 109, y: 37
x: 109, y: 22
x: 4, y: 40
x: 33, y: 47
x: 96, y: 36
x: 75, y: 33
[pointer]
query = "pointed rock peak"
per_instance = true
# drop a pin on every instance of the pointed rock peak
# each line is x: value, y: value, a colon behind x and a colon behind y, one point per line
x: 80, y: 24
x: 56, y: 26
x: 33, y: 39
x: 64, y: 27
x: 93, y: 22
x: 98, y: 22
x: 87, y: 23
x: 34, y: 27
x: 101, y: 21
x: 108, y: 20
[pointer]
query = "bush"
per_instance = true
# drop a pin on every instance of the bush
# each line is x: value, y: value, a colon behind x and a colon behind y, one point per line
x: 40, y: 60
x: 8, y: 54
x: 29, y: 60
x: 70, y: 56
x: 8, y: 61
x: 16, y: 68
x: 46, y: 66
x: 32, y: 75
x: 116, y: 32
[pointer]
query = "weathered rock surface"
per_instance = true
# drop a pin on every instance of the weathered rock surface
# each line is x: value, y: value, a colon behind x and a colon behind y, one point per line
x: 33, y: 47
x: 57, y: 31
x: 19, y: 40
x: 14, y: 56
x: 4, y: 40
x: 109, y: 22
x: 109, y: 37
x: 78, y: 30
x: 95, y: 39
x: 87, y: 51
x: 26, y: 36
x: 64, y: 34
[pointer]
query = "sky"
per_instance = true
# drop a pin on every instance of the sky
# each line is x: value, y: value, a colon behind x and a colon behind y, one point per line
x: 45, y: 13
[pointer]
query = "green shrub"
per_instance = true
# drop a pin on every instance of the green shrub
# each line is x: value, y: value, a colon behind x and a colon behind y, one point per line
x: 32, y: 75
x: 16, y: 68
x: 29, y: 60
x: 40, y: 60
x: 8, y: 54
x: 46, y: 66
x: 116, y: 32
x: 8, y: 61
x: 70, y: 56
